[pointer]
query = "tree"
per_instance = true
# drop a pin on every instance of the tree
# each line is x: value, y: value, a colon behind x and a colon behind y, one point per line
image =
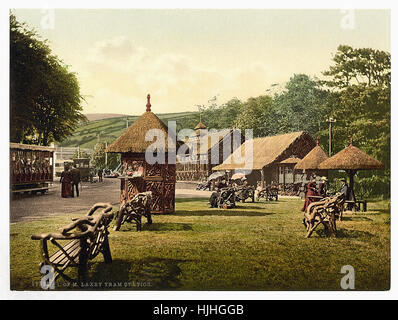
x: 359, y: 66
x: 98, y: 157
x: 258, y: 114
x: 361, y: 103
x: 300, y: 107
x: 45, y: 100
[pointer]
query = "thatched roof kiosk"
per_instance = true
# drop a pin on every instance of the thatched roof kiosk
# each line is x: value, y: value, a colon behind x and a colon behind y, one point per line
x: 351, y: 159
x: 137, y: 174
x: 312, y: 160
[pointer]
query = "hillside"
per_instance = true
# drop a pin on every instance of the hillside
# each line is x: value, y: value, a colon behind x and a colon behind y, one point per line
x: 86, y: 135
x: 102, y: 116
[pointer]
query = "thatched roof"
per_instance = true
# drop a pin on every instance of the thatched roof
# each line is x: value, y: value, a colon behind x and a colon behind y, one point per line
x: 206, y: 142
x: 290, y: 161
x: 265, y: 151
x: 351, y: 158
x: 133, y: 138
x: 312, y: 160
x: 200, y: 125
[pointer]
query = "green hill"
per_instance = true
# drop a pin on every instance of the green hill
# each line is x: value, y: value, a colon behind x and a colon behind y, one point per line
x: 86, y: 135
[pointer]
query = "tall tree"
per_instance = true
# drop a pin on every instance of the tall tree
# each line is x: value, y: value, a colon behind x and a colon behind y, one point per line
x: 300, y: 107
x: 98, y: 156
x: 258, y: 114
x: 359, y: 66
x: 361, y: 83
x: 45, y: 100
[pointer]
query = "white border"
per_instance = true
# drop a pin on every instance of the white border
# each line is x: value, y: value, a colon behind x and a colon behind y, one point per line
x: 5, y: 293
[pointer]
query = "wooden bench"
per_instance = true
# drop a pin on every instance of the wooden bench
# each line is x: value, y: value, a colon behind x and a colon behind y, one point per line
x: 134, y: 209
x: 356, y: 205
x: 269, y: 193
x: 85, y: 243
x: 326, y: 212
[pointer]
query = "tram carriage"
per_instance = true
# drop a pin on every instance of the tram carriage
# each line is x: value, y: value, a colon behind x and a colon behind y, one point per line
x: 31, y: 168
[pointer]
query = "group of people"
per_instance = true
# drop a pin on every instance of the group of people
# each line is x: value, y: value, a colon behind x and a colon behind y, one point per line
x: 313, y: 191
x: 70, y: 179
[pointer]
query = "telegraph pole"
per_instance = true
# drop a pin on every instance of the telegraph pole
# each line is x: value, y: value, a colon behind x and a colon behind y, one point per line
x: 106, y: 155
x: 331, y: 121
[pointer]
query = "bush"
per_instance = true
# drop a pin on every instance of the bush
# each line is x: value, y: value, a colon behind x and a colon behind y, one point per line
x: 374, y: 186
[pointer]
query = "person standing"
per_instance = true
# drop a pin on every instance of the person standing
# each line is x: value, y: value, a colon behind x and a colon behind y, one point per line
x: 322, y: 187
x: 75, y: 180
x: 100, y: 175
x: 344, y: 189
x: 66, y: 183
x: 311, y: 191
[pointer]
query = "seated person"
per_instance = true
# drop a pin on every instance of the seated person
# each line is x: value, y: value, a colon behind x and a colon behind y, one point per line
x: 221, y: 184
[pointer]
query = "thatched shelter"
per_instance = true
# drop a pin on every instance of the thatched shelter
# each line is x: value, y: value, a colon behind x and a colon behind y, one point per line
x: 137, y: 174
x: 312, y: 160
x: 268, y: 152
x: 351, y: 159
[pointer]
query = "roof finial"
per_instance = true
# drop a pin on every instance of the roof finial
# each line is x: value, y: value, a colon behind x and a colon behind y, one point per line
x: 351, y: 142
x: 317, y: 141
x: 148, y: 105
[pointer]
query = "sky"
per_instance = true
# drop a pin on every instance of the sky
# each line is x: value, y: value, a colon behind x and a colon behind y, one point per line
x: 184, y: 58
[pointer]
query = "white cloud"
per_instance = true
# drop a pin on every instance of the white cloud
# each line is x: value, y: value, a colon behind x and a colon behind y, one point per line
x: 119, y: 74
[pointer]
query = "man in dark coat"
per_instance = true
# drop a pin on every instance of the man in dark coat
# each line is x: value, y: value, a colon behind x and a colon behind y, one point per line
x: 100, y: 175
x: 75, y: 180
x: 322, y: 188
x: 344, y: 189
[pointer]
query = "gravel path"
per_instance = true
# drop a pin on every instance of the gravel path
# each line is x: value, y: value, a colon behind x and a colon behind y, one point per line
x: 28, y: 207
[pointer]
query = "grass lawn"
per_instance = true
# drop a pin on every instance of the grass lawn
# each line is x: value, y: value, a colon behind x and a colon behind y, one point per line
x: 257, y: 246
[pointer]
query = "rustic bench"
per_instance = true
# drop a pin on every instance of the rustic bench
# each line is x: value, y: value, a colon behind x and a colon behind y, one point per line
x: 326, y: 212
x: 242, y: 193
x: 269, y: 193
x: 134, y: 209
x: 356, y: 205
x: 85, y: 243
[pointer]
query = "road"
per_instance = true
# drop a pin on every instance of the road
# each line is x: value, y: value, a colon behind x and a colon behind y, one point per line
x: 28, y: 207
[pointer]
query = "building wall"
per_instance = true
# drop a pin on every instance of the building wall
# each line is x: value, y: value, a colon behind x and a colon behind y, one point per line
x: 157, y: 178
x: 197, y: 171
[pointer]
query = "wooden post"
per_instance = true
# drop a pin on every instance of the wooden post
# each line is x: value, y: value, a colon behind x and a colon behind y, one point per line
x: 262, y: 177
x: 351, y: 174
x: 106, y: 155
x: 330, y: 120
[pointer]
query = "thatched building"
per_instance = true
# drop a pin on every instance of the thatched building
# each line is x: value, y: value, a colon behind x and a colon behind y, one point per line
x: 351, y: 159
x: 137, y: 174
x: 272, y: 160
x: 198, y: 165
x: 309, y: 165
